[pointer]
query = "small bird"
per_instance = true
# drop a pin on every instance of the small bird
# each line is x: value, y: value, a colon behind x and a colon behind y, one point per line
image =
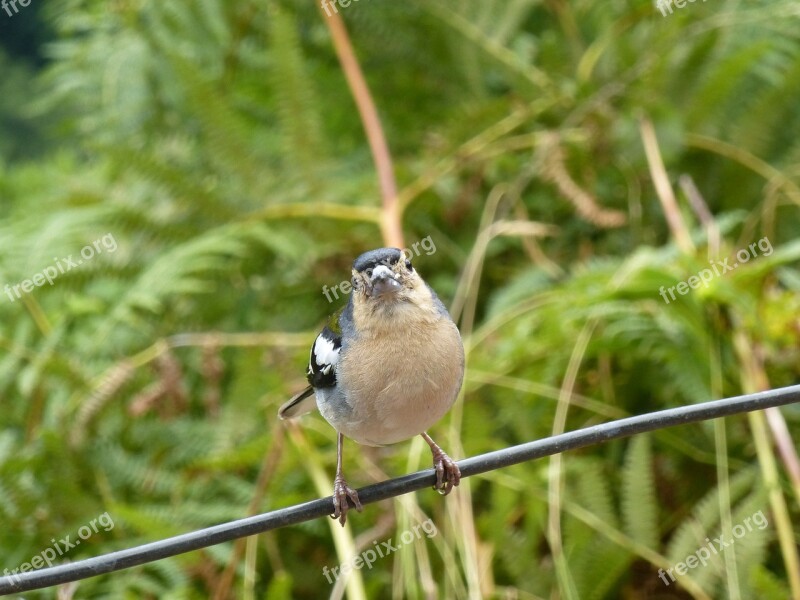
x: 386, y: 367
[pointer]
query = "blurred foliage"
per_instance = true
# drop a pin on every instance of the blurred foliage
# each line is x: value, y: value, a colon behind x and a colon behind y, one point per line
x: 218, y: 145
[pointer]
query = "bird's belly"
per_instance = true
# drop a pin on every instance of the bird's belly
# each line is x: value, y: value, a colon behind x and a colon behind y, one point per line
x: 391, y: 401
x: 397, y: 414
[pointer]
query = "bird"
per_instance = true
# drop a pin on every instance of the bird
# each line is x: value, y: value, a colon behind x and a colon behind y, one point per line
x: 385, y: 368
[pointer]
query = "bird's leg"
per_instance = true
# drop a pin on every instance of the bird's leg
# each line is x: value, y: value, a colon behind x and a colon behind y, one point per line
x: 342, y: 491
x: 447, y: 472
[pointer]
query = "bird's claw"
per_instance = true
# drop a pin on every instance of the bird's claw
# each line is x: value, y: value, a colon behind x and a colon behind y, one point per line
x: 341, y: 493
x: 448, y: 474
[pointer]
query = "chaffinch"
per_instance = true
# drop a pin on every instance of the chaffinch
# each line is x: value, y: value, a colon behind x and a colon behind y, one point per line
x: 386, y: 367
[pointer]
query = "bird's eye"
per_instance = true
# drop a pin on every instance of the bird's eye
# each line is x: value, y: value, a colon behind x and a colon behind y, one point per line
x: 408, y: 265
x: 368, y: 273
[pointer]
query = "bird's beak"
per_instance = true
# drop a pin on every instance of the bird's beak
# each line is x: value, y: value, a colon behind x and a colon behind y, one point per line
x: 382, y: 282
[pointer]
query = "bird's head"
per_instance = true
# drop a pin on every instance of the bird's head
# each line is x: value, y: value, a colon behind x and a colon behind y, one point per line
x: 384, y: 280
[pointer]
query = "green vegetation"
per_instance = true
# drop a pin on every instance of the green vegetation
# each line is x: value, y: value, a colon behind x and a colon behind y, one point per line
x: 567, y: 159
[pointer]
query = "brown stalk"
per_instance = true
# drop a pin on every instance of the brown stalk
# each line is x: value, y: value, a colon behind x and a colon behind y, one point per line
x: 663, y: 188
x: 391, y: 228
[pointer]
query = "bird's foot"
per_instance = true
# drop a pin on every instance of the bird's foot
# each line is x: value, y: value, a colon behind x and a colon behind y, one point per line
x: 341, y: 493
x: 448, y: 474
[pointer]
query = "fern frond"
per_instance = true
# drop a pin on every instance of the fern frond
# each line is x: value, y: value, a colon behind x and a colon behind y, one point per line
x: 639, y: 505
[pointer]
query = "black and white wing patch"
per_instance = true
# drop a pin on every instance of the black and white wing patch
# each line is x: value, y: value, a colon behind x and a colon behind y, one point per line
x: 324, y: 359
x: 321, y: 374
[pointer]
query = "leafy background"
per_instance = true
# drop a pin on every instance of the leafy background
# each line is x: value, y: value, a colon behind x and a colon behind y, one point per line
x: 220, y: 145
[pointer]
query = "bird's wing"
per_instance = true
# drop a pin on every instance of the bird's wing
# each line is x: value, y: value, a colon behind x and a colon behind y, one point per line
x: 324, y: 359
x: 321, y: 371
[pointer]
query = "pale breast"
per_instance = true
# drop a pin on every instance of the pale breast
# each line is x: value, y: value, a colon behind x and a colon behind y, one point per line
x: 400, y: 381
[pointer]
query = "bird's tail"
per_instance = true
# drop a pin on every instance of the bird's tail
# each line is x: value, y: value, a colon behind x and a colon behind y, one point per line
x: 299, y: 404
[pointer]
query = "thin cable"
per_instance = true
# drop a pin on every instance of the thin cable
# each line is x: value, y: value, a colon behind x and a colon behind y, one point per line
x: 124, y: 559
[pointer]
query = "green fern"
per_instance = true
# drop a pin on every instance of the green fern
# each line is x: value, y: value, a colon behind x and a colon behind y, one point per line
x: 639, y: 504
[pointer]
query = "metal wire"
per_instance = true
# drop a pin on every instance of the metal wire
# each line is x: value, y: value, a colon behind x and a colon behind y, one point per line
x: 483, y: 463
